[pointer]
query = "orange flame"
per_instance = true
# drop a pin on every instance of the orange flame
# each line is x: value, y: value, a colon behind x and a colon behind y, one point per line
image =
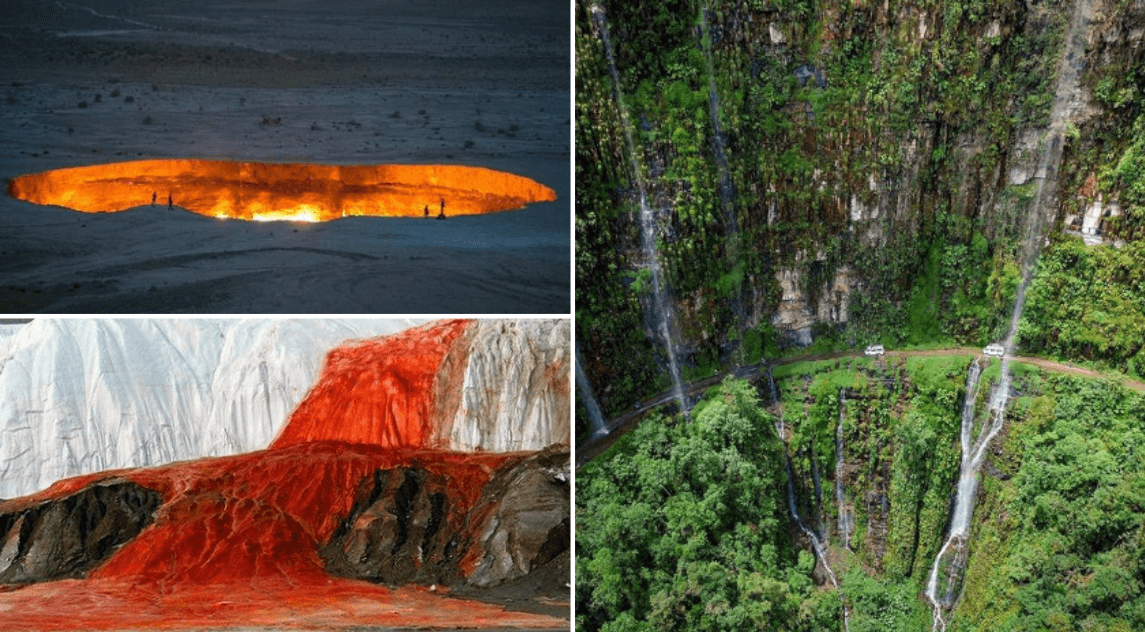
x: 288, y: 191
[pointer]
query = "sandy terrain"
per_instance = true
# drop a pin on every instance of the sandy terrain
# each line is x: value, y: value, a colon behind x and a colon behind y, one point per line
x: 473, y: 83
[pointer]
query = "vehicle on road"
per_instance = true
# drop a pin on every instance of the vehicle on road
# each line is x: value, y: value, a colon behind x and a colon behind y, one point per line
x: 994, y: 350
x: 874, y: 350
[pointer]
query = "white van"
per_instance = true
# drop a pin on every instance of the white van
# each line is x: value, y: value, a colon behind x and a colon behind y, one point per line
x: 994, y: 350
x: 874, y: 350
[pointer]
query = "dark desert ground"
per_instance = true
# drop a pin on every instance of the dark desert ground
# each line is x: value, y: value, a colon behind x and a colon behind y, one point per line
x: 481, y: 83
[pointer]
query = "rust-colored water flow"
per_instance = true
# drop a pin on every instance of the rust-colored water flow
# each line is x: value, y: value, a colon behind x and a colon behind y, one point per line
x: 288, y: 191
x: 236, y: 541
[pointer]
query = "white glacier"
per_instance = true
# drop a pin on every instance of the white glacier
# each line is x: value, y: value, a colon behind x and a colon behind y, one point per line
x: 517, y: 387
x: 86, y: 395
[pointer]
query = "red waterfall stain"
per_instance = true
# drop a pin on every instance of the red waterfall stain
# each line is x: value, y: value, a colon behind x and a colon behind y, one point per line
x: 236, y: 540
x: 376, y: 392
x: 265, y: 514
x: 236, y: 543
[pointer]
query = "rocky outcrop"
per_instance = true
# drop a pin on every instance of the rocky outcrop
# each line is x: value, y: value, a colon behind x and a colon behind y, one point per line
x: 69, y: 536
x: 397, y: 533
x: 528, y: 524
x: 797, y: 312
x: 412, y: 526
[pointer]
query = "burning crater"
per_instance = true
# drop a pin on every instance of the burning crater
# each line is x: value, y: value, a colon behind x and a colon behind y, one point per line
x: 290, y: 191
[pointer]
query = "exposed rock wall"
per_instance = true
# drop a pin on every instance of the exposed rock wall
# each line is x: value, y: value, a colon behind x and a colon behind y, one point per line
x: 860, y: 138
x: 408, y: 525
x: 68, y: 536
x: 385, y: 515
x: 528, y: 519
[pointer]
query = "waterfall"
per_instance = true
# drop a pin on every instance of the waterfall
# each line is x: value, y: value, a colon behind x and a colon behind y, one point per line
x: 816, y: 545
x: 727, y: 191
x: 955, y: 544
x: 663, y: 311
x: 724, y: 186
x: 598, y: 426
x: 845, y: 521
x: 954, y: 551
x: 818, y: 488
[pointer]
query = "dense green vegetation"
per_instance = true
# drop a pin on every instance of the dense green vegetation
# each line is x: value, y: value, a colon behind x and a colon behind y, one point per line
x: 682, y: 527
x: 685, y: 526
x: 1089, y: 303
x: 829, y: 109
x: 1060, y: 545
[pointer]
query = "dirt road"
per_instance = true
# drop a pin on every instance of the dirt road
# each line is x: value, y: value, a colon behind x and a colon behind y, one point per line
x: 621, y: 425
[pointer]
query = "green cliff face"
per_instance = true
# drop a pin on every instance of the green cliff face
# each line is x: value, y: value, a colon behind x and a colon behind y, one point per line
x: 878, y: 168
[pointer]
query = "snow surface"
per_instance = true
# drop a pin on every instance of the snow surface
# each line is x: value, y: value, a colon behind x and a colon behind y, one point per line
x: 86, y: 395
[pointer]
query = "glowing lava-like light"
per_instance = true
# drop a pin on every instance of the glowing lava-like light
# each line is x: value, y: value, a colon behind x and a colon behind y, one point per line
x: 282, y: 192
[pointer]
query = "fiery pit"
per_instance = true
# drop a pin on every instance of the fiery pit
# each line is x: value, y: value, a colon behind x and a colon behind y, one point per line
x: 288, y: 191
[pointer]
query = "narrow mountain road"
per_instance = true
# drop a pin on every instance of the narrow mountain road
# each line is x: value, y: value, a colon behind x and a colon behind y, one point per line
x: 619, y: 426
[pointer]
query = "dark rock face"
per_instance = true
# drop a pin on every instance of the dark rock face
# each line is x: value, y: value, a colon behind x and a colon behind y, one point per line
x: 529, y: 523
x: 67, y: 537
x: 407, y: 527
x: 397, y: 533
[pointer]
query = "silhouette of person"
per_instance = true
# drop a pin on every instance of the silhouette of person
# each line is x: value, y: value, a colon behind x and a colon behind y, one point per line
x: 170, y: 202
x: 427, y: 211
x: 154, y: 195
x: 442, y: 208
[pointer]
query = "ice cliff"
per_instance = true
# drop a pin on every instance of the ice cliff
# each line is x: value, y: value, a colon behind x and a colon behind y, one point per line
x: 488, y: 385
x: 84, y: 395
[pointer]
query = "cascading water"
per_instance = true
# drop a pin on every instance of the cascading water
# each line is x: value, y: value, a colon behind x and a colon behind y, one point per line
x: 816, y: 545
x: 845, y: 520
x: 598, y: 427
x: 662, y: 315
x: 724, y: 186
x: 946, y: 574
x: 953, y: 550
x: 815, y: 479
x: 727, y: 191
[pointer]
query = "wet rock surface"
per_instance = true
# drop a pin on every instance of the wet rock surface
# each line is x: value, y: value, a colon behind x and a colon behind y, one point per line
x: 68, y: 537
